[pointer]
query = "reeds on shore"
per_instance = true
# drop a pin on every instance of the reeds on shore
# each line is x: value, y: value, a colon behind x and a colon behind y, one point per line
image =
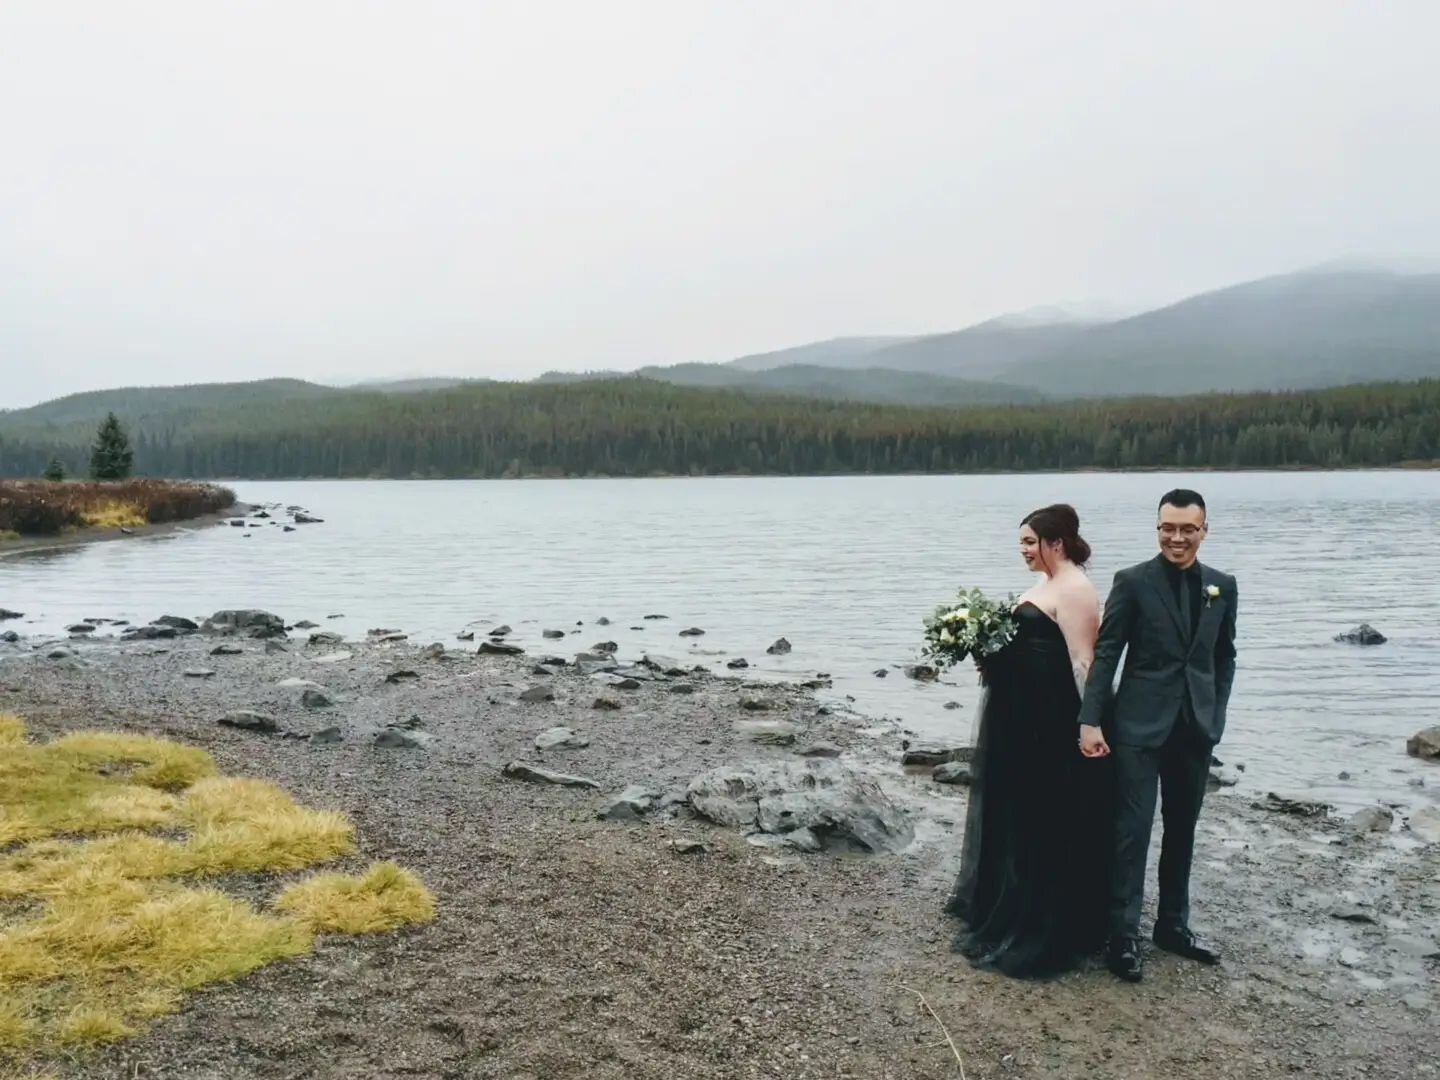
x: 47, y: 508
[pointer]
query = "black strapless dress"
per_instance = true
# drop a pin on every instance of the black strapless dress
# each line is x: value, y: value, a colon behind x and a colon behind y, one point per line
x: 1034, y: 869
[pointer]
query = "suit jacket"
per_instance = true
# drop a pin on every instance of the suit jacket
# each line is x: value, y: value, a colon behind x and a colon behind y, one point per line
x: 1167, y: 669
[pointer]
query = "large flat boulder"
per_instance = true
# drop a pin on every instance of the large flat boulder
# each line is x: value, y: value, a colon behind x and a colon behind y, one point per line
x: 834, y: 802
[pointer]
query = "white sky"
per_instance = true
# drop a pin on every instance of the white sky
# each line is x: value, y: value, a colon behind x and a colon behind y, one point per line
x: 198, y: 190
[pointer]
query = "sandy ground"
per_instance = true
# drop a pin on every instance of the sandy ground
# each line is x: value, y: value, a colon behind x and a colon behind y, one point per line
x: 570, y: 947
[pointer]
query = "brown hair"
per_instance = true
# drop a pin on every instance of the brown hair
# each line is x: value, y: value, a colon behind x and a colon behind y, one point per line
x: 1060, y: 522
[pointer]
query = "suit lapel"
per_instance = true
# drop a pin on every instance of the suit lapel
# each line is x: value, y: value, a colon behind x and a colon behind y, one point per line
x: 1210, y: 610
x: 1167, y: 596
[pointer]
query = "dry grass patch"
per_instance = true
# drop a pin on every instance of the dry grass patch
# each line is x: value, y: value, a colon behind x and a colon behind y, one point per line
x: 384, y: 898
x: 99, y: 833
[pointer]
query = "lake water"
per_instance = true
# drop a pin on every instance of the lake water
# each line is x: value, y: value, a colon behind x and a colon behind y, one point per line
x: 845, y: 568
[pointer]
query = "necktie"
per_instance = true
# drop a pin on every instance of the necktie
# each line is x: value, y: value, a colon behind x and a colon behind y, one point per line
x: 1186, y: 613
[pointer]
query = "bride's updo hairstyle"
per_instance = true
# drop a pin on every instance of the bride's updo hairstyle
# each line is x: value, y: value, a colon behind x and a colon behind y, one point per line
x: 1060, y: 522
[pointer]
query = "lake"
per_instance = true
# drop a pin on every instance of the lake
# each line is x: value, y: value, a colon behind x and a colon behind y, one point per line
x: 845, y: 568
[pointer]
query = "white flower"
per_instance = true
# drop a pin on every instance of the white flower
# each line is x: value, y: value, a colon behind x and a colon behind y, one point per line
x: 962, y: 613
x: 1212, y: 591
x: 947, y: 638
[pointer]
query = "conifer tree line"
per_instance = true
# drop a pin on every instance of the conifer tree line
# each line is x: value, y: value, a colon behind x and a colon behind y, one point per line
x: 638, y: 427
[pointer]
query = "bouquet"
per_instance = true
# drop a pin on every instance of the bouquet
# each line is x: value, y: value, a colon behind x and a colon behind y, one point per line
x: 973, y: 626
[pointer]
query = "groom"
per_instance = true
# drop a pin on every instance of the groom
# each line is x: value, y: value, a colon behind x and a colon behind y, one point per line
x: 1175, y: 619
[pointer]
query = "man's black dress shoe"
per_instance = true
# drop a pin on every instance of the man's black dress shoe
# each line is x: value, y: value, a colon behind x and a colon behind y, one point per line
x: 1122, y: 957
x: 1182, y: 942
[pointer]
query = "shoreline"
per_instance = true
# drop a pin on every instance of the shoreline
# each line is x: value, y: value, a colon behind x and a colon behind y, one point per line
x: 568, y: 946
x: 30, y: 545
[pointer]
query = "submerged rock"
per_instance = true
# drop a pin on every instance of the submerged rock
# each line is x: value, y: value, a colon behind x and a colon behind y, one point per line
x: 780, y: 648
x: 829, y: 800
x: 149, y: 633
x: 6, y: 613
x: 1424, y: 744
x: 80, y: 628
x: 553, y: 635
x: 465, y: 635
x: 179, y: 622
x: 1364, y: 634
x: 738, y: 664
x: 693, y: 631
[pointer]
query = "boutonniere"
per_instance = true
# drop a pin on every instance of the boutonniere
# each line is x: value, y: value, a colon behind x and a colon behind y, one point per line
x: 1212, y: 593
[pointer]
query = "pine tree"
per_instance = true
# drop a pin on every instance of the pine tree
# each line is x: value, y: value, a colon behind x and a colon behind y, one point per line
x: 55, y: 471
x: 111, y: 456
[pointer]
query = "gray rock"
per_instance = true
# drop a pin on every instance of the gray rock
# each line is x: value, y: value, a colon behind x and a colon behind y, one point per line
x: 326, y: 637
x: 433, y: 651
x: 952, y: 772
x: 750, y: 704
x: 1370, y: 819
x: 608, y: 648
x: 1364, y: 634
x: 1425, y: 824
x: 819, y: 750
x: 535, y: 774
x: 602, y: 621
x: 465, y: 635
x: 780, y: 648
x: 1352, y: 913
x: 560, y: 738
x: 542, y: 670
x: 682, y: 688
x: 149, y: 633
x: 501, y: 631
x: 80, y: 628
x: 200, y: 673
x: 595, y: 658
x: 249, y: 621
x: 553, y: 635
x: 687, y: 847
x: 334, y: 658
x: 1279, y: 804
x: 935, y: 754
x: 315, y: 699
x: 498, y: 648
x: 632, y: 804
x: 272, y: 647
x: 10, y: 636
x: 738, y: 664
x: 327, y: 735
x: 768, y: 732
x: 179, y: 622
x: 383, y: 631
x: 953, y: 705
x: 922, y: 672
x: 536, y: 694
x: 305, y: 519
x: 306, y: 624
x: 822, y: 796
x: 1424, y: 744
x: 693, y: 631
x: 404, y: 675
x: 226, y: 650
x: 6, y: 613
x: 298, y: 684
x: 651, y: 618
x: 395, y: 739
x: 882, y: 673
x: 60, y: 652
x: 605, y: 703
x: 390, y: 639
x: 553, y: 661
x: 249, y: 720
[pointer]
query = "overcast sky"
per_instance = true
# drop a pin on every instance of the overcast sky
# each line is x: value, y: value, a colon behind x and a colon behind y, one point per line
x: 197, y: 191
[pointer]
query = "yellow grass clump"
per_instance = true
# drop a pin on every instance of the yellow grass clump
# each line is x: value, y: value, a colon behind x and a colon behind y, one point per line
x: 385, y: 898
x: 113, y: 514
x: 100, y: 931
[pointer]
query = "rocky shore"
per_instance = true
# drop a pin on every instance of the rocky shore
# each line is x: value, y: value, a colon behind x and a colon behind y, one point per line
x: 648, y: 870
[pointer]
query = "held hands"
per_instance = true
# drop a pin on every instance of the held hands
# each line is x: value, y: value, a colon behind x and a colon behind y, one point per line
x: 1092, y: 742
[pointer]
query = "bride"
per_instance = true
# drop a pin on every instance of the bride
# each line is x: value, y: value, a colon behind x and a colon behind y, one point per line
x: 1032, y: 885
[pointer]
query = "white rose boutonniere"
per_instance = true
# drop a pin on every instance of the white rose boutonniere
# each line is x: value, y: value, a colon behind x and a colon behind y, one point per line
x: 1212, y: 593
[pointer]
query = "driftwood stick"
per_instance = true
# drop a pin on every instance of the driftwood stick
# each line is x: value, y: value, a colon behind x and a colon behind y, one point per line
x: 949, y: 1041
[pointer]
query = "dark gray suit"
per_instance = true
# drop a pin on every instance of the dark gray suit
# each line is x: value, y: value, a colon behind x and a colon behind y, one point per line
x: 1161, y: 724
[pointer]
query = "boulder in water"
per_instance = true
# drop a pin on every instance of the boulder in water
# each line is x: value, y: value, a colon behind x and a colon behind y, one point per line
x: 780, y: 648
x: 1424, y: 744
x: 1364, y: 634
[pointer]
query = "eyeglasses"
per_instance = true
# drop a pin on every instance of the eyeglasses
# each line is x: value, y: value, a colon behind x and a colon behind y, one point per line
x: 1189, y: 532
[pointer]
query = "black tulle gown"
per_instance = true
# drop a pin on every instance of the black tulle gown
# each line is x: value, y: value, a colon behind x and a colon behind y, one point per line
x: 1033, y: 873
